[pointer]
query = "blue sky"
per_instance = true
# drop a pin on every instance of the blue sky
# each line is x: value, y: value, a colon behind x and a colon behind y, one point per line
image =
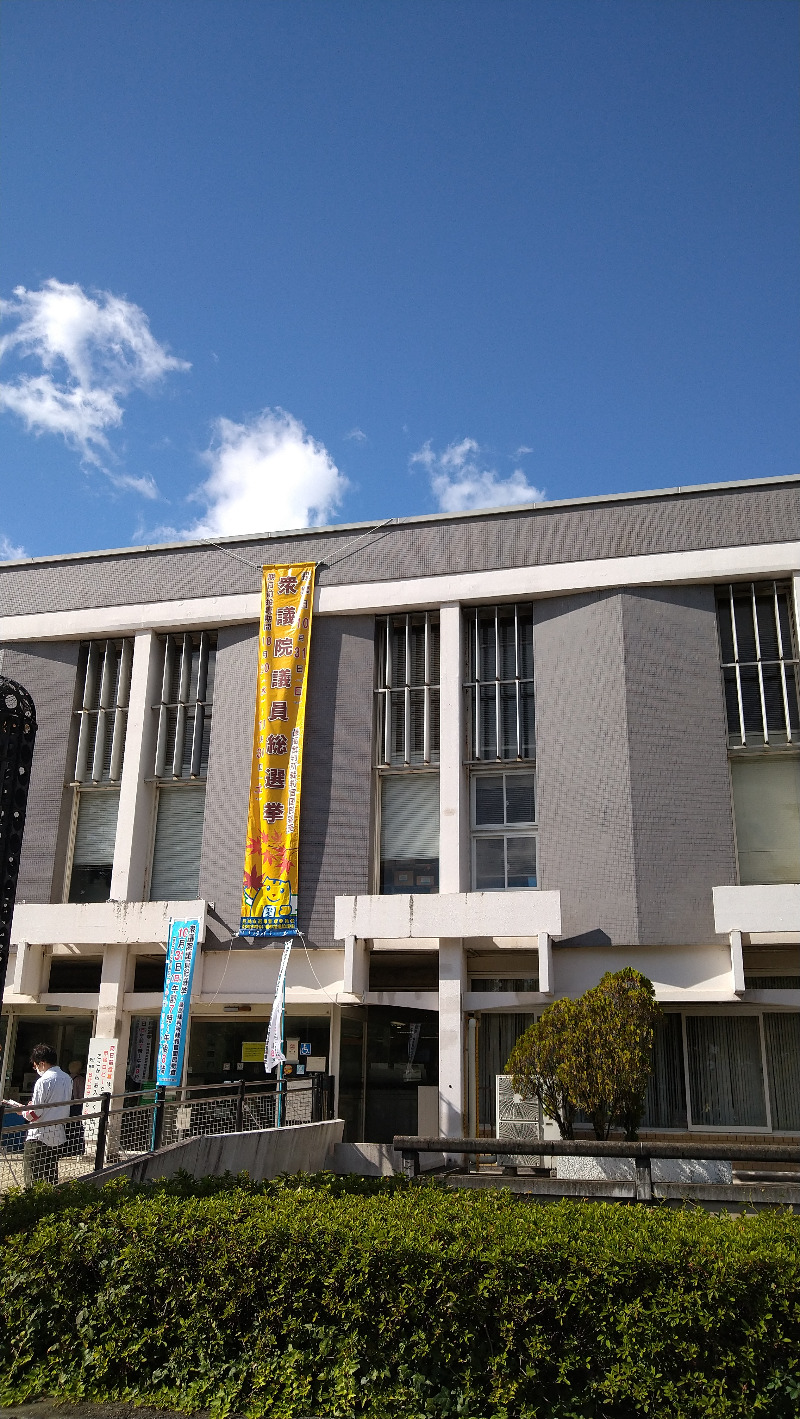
x: 324, y: 260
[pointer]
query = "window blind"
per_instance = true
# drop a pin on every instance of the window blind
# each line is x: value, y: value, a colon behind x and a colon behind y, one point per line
x: 179, y: 835
x: 766, y: 796
x: 96, y: 830
x: 410, y: 816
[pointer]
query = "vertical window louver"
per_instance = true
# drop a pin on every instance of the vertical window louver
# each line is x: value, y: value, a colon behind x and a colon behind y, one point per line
x: 500, y: 699
x: 184, y: 710
x: 103, y: 712
x: 759, y: 664
x: 182, y: 748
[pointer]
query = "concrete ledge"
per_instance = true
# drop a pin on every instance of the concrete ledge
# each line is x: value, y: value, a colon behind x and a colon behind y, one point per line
x: 101, y: 923
x: 448, y: 914
x: 262, y: 1153
x: 774, y: 908
x: 376, y: 1160
x: 715, y: 1197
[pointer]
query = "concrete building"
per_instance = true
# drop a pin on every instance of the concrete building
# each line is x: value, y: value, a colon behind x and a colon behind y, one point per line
x: 541, y: 743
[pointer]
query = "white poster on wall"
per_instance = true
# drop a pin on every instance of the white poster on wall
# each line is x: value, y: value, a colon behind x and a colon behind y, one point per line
x: 99, y: 1079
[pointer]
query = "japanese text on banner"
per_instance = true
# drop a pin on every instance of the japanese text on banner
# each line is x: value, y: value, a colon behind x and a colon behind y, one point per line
x: 269, y: 896
x: 181, y: 953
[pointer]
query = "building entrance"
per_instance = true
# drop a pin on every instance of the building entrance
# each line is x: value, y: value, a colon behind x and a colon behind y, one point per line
x: 69, y: 1037
x: 402, y: 1059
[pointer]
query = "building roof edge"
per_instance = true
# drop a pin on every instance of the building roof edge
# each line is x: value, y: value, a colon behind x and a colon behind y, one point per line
x: 337, y: 529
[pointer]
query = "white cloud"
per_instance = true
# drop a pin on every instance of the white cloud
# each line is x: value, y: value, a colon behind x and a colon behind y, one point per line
x: 358, y: 435
x: 460, y: 479
x: 91, y: 351
x: 9, y: 552
x: 266, y: 475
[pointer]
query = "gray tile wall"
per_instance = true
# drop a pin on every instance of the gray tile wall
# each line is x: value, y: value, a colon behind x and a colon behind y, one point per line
x: 679, y: 776
x: 635, y: 821
x: 337, y: 776
x: 335, y: 811
x: 48, y: 673
x: 584, y: 796
x: 227, y: 788
x: 732, y: 516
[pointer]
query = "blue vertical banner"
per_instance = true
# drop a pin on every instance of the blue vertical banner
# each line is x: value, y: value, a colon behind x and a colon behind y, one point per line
x: 181, y: 954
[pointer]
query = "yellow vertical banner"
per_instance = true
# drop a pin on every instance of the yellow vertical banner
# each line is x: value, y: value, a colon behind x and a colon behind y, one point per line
x: 269, y: 895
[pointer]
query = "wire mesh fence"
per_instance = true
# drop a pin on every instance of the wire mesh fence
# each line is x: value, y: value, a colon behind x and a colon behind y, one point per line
x: 121, y: 1127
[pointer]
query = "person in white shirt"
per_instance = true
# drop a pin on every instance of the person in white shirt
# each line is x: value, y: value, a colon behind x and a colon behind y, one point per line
x: 47, y: 1134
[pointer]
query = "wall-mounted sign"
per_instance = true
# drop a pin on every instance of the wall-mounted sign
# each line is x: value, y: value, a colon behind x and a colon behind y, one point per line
x: 252, y: 1051
x: 181, y: 954
x: 269, y: 895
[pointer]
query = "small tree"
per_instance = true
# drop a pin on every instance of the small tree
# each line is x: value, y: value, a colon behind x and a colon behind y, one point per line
x: 536, y: 1063
x: 591, y: 1055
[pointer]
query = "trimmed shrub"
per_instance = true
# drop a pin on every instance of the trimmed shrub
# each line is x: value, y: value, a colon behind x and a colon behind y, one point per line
x: 307, y: 1298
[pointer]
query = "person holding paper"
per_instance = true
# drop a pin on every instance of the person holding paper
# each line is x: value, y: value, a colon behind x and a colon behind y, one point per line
x: 47, y: 1134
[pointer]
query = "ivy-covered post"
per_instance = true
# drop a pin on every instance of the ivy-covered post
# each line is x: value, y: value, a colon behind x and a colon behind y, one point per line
x: 17, y: 738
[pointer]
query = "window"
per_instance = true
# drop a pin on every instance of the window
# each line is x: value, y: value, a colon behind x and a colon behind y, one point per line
x: 93, y: 846
x: 500, y: 703
x: 759, y: 663
x: 409, y: 833
x: 766, y: 801
x: 175, y: 874
x: 103, y: 712
x: 504, y: 831
x: 407, y: 690
x: 759, y: 669
x: 184, y: 710
x: 407, y: 749
x: 726, y: 1076
x: 665, y: 1105
x: 182, y: 749
x: 71, y: 975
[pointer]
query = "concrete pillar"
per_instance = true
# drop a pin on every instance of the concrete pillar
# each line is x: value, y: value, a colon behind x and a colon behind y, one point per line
x: 356, y: 967
x: 737, y: 962
x: 28, y: 969
x: 334, y: 1050
x: 451, y: 1037
x: 136, y: 796
x: 545, y: 963
x: 453, y: 789
x: 112, y: 1023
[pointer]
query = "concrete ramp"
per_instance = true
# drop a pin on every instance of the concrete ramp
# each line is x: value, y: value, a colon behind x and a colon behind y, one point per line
x: 262, y: 1153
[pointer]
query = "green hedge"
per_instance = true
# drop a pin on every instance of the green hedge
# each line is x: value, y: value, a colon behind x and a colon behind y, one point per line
x: 320, y: 1297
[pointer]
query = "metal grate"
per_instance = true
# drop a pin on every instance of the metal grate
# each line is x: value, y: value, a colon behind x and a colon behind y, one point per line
x: 759, y: 663
x: 499, y: 686
x: 184, y: 710
x: 103, y: 713
x: 407, y: 690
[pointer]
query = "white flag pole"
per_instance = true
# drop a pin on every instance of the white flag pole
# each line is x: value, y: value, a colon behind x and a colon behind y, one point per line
x: 273, y: 1050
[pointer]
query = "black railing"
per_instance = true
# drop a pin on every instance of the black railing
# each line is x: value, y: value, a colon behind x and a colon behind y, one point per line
x: 111, y: 1128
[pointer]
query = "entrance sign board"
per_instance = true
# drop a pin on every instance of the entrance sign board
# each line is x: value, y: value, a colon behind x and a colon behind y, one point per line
x: 269, y: 896
x: 181, y: 955
x: 99, y: 1079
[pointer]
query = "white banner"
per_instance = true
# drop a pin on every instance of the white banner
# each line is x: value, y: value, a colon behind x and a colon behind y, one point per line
x: 273, y: 1054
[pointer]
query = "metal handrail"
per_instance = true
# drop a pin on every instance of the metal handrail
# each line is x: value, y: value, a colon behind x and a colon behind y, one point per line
x: 112, y: 1109
x: 641, y: 1153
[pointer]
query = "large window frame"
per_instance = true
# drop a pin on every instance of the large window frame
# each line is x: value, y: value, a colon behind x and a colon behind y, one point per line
x: 740, y: 1013
x: 184, y: 717
x: 406, y: 731
x: 507, y: 831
